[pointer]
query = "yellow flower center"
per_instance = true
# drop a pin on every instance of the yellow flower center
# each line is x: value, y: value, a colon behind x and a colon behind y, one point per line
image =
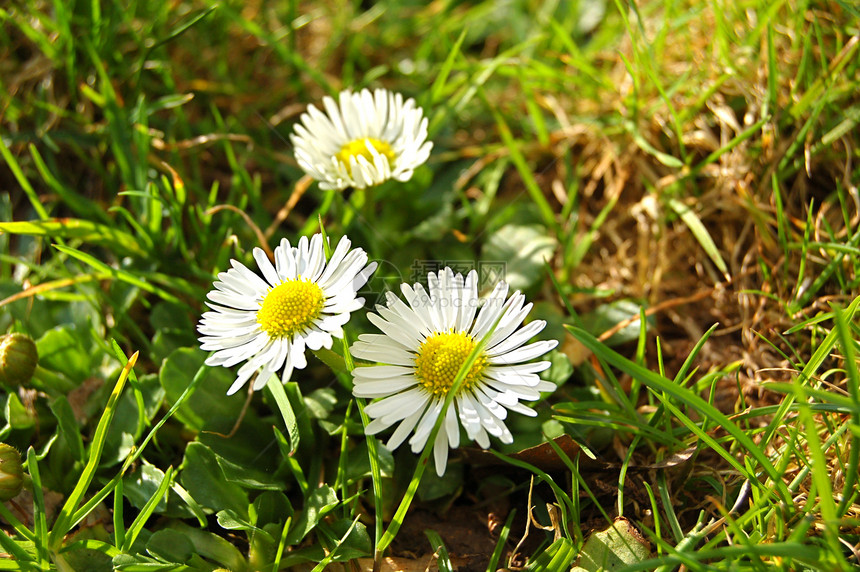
x: 440, y: 358
x: 290, y: 307
x: 358, y: 147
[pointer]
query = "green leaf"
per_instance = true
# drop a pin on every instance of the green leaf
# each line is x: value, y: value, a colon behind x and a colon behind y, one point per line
x: 140, y: 484
x: 211, y: 546
x: 359, y: 463
x: 318, y: 504
x: 210, y: 401
x: 434, y: 487
x: 62, y: 350
x: 607, y: 316
x: 68, y: 426
x: 170, y: 545
x: 18, y: 416
x: 522, y: 249
x: 612, y: 549
x: 271, y: 507
x: 204, y: 480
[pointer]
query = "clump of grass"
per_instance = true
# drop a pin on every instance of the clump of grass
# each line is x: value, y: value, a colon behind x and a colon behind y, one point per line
x: 675, y: 183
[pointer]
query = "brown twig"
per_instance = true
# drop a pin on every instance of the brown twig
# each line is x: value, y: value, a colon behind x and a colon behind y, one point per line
x: 264, y: 244
x: 298, y: 191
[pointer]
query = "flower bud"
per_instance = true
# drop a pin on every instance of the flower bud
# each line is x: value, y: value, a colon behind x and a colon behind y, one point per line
x: 18, y: 358
x: 11, y: 472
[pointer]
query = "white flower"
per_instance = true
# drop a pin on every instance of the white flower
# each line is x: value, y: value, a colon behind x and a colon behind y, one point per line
x: 301, y: 301
x: 364, y: 140
x: 423, y: 346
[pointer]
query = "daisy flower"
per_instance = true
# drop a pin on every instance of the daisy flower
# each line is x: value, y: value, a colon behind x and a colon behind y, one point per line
x: 423, y: 344
x: 300, y: 301
x: 361, y: 141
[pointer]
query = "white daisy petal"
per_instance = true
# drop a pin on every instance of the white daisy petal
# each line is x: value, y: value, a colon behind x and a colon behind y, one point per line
x: 268, y: 322
x: 361, y: 140
x: 440, y: 451
x: 404, y: 429
x: 425, y: 341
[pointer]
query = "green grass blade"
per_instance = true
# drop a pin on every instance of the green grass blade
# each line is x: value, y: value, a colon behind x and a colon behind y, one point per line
x: 118, y: 273
x: 40, y: 524
x: 701, y: 233
x: 661, y: 385
x: 64, y: 521
x: 443, y: 561
x: 136, y: 527
x: 80, y: 229
x: 276, y: 388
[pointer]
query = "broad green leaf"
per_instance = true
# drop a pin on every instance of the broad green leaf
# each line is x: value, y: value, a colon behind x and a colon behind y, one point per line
x: 359, y: 463
x: 204, y: 480
x: 140, y: 563
x: 612, y: 549
x: 87, y: 559
x: 139, y: 486
x: 211, y: 546
x: 607, y: 316
x: 210, y: 401
x: 354, y: 543
x: 69, y: 429
x: 318, y: 504
x: 62, y: 350
x: 271, y: 507
x: 18, y: 416
x: 522, y: 250
x: 433, y: 487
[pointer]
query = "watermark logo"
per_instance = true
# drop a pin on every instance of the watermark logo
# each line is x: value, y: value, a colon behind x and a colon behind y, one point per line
x: 490, y: 272
x: 388, y: 278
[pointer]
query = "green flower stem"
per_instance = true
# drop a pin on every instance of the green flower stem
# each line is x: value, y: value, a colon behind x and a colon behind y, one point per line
x: 372, y: 443
x: 372, y: 452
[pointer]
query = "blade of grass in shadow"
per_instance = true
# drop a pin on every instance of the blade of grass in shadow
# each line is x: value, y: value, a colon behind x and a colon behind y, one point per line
x: 493, y: 565
x: 13, y: 165
x: 701, y: 233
